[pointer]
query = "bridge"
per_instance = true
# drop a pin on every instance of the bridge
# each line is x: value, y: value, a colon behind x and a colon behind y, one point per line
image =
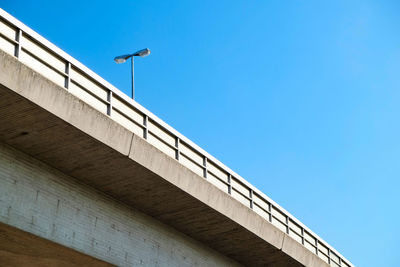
x: 90, y: 177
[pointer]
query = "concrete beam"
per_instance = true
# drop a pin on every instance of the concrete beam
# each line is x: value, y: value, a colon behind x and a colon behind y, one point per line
x: 19, y: 248
x: 41, y: 200
x: 45, y: 121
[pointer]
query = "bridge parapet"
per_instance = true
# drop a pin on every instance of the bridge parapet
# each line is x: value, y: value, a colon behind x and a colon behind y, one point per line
x: 42, y: 56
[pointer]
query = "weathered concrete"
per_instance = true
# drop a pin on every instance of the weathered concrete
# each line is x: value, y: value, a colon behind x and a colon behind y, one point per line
x: 47, y: 122
x: 22, y: 249
x: 41, y: 200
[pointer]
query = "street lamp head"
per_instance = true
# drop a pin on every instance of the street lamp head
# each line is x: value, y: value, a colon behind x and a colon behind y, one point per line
x: 122, y: 59
x: 142, y: 53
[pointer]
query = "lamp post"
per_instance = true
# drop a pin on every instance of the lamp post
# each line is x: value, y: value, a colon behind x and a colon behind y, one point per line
x: 121, y: 59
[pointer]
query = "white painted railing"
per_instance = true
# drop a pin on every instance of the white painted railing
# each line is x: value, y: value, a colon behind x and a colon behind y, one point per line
x: 36, y: 52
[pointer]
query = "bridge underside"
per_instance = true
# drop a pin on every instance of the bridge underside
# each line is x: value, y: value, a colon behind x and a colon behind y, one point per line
x: 46, y: 122
x: 19, y: 248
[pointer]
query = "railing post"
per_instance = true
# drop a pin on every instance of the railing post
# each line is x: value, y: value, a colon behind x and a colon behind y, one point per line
x: 18, y: 38
x: 177, y: 152
x: 109, y: 99
x: 287, y: 225
x: 270, y: 212
x: 205, y: 167
x: 329, y: 255
x: 67, y: 72
x: 145, y: 123
x: 302, y: 236
x: 230, y: 184
x: 251, y: 198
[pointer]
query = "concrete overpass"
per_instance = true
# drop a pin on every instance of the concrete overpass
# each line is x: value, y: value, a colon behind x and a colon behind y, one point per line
x: 92, y: 178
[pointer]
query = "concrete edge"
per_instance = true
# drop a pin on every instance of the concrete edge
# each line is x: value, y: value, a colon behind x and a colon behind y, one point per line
x: 59, y: 101
x: 177, y: 174
x: 296, y: 251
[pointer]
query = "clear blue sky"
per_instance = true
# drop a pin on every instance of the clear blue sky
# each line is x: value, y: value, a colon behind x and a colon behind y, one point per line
x: 299, y: 97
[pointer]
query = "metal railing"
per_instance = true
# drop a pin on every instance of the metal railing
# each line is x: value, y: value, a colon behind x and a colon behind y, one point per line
x: 36, y: 52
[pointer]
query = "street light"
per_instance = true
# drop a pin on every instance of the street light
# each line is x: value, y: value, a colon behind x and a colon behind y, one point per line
x: 121, y: 59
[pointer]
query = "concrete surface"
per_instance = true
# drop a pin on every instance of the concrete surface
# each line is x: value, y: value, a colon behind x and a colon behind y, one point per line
x: 41, y: 200
x: 19, y: 248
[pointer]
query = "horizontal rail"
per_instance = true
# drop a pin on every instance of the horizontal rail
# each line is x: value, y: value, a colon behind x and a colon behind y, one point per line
x: 35, y: 51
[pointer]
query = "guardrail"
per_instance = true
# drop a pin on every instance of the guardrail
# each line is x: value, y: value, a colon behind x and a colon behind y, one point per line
x: 44, y: 57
